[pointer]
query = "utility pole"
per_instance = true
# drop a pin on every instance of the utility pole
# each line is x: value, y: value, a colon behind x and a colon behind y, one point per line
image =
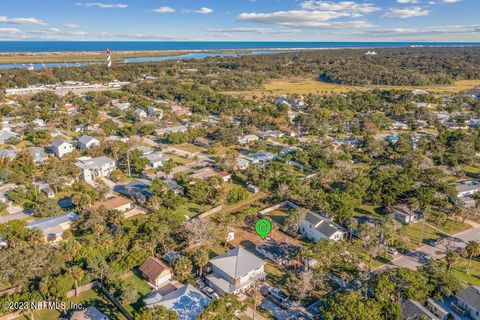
x: 128, y: 163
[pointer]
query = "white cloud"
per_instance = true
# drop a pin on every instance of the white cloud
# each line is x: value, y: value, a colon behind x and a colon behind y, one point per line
x: 407, y: 1
x: 56, y: 31
x: 255, y: 30
x: 451, y: 1
x: 404, y: 13
x: 32, y: 21
x: 101, y: 5
x: 10, y: 31
x: 71, y: 26
x: 204, y: 10
x: 345, y: 6
x: 304, y: 19
x: 439, y: 30
x: 164, y: 10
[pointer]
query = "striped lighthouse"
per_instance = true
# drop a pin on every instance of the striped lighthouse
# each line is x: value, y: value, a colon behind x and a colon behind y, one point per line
x: 109, y: 58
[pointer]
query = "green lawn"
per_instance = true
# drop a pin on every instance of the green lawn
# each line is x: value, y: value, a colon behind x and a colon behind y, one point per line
x: 178, y: 160
x: 88, y: 298
x: 192, y: 209
x: 474, y: 170
x: 189, y: 148
x: 142, y: 288
x: 449, y: 227
x: 414, y: 231
x: 473, y: 276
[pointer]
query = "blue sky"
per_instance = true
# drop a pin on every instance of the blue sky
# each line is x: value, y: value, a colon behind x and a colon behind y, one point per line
x: 241, y: 20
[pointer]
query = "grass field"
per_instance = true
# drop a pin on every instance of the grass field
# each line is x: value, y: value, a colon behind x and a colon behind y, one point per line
x: 305, y: 86
x: 473, y: 276
x: 189, y: 148
x: 79, y: 56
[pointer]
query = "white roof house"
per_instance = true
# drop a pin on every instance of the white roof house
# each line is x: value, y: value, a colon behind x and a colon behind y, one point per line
x: 6, y: 135
x: 54, y: 227
x: 61, y: 147
x: 96, y: 168
x: 188, y: 302
x: 156, y: 159
x: 140, y: 114
x: 465, y: 191
x: 87, y: 142
x: 249, y: 138
x: 235, y: 271
x: 316, y: 227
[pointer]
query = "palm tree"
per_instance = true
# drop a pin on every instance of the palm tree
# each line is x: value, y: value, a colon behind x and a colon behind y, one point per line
x: 77, y: 274
x: 473, y: 250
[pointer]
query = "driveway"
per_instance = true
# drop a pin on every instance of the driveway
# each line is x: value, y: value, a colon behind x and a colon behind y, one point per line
x: 284, y: 314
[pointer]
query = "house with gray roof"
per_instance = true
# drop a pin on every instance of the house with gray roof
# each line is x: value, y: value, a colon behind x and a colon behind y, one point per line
x: 413, y: 310
x: 156, y: 159
x: 465, y: 192
x: 6, y: 153
x: 6, y: 136
x: 61, y: 147
x: 187, y: 301
x: 468, y: 300
x: 140, y: 114
x: 39, y: 155
x: 235, y: 271
x: 54, y: 227
x: 95, y: 168
x: 316, y: 227
x: 86, y: 142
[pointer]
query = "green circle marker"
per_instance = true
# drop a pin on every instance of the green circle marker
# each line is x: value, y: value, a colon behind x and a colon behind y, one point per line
x: 263, y: 227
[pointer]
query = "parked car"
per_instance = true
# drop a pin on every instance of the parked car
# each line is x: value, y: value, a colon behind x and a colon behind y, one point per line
x: 209, y: 292
x: 278, y: 295
x: 200, y: 283
x: 392, y: 251
x: 435, y: 242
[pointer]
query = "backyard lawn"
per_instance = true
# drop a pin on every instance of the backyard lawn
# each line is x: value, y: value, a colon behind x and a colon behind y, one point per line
x: 473, y: 276
x: 142, y: 288
x: 189, y: 148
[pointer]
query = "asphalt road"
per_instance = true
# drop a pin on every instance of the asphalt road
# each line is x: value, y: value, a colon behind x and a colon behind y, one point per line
x: 426, y: 253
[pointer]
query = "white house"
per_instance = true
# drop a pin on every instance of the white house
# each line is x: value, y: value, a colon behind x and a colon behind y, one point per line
x: 54, y: 227
x: 235, y: 271
x: 95, y: 168
x: 87, y: 142
x: 316, y: 227
x: 140, y: 114
x: 469, y: 301
x: 61, y: 147
x: 465, y: 192
x: 155, y: 112
x: 156, y: 159
x: 404, y: 214
x: 6, y: 135
x: 247, y: 139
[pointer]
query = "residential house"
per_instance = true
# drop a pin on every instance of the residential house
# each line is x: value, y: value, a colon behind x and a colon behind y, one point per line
x: 54, y: 227
x: 202, y: 142
x: 39, y: 155
x: 95, y: 168
x: 155, y: 112
x: 137, y: 189
x: 89, y: 313
x: 406, y: 215
x: 316, y: 227
x: 156, y: 159
x: 270, y: 134
x: 276, y: 251
x: 253, y: 188
x: 121, y: 106
x: 399, y: 126
x: 247, y: 139
x: 242, y: 163
x: 465, y: 191
x: 261, y: 158
x: 187, y: 301
x: 6, y: 136
x: 61, y: 147
x: 87, y: 142
x: 235, y: 271
x: 468, y: 300
x: 209, y: 172
x: 437, y: 310
x: 169, y: 130
x: 143, y: 149
x: 156, y: 272
x: 140, y: 114
x: 413, y: 310
x: 6, y: 153
x: 120, y: 204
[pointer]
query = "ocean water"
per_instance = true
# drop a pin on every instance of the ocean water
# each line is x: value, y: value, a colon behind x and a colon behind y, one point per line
x: 79, y: 46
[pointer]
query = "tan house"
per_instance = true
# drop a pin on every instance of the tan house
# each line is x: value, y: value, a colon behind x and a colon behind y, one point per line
x: 116, y: 203
x: 156, y: 272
